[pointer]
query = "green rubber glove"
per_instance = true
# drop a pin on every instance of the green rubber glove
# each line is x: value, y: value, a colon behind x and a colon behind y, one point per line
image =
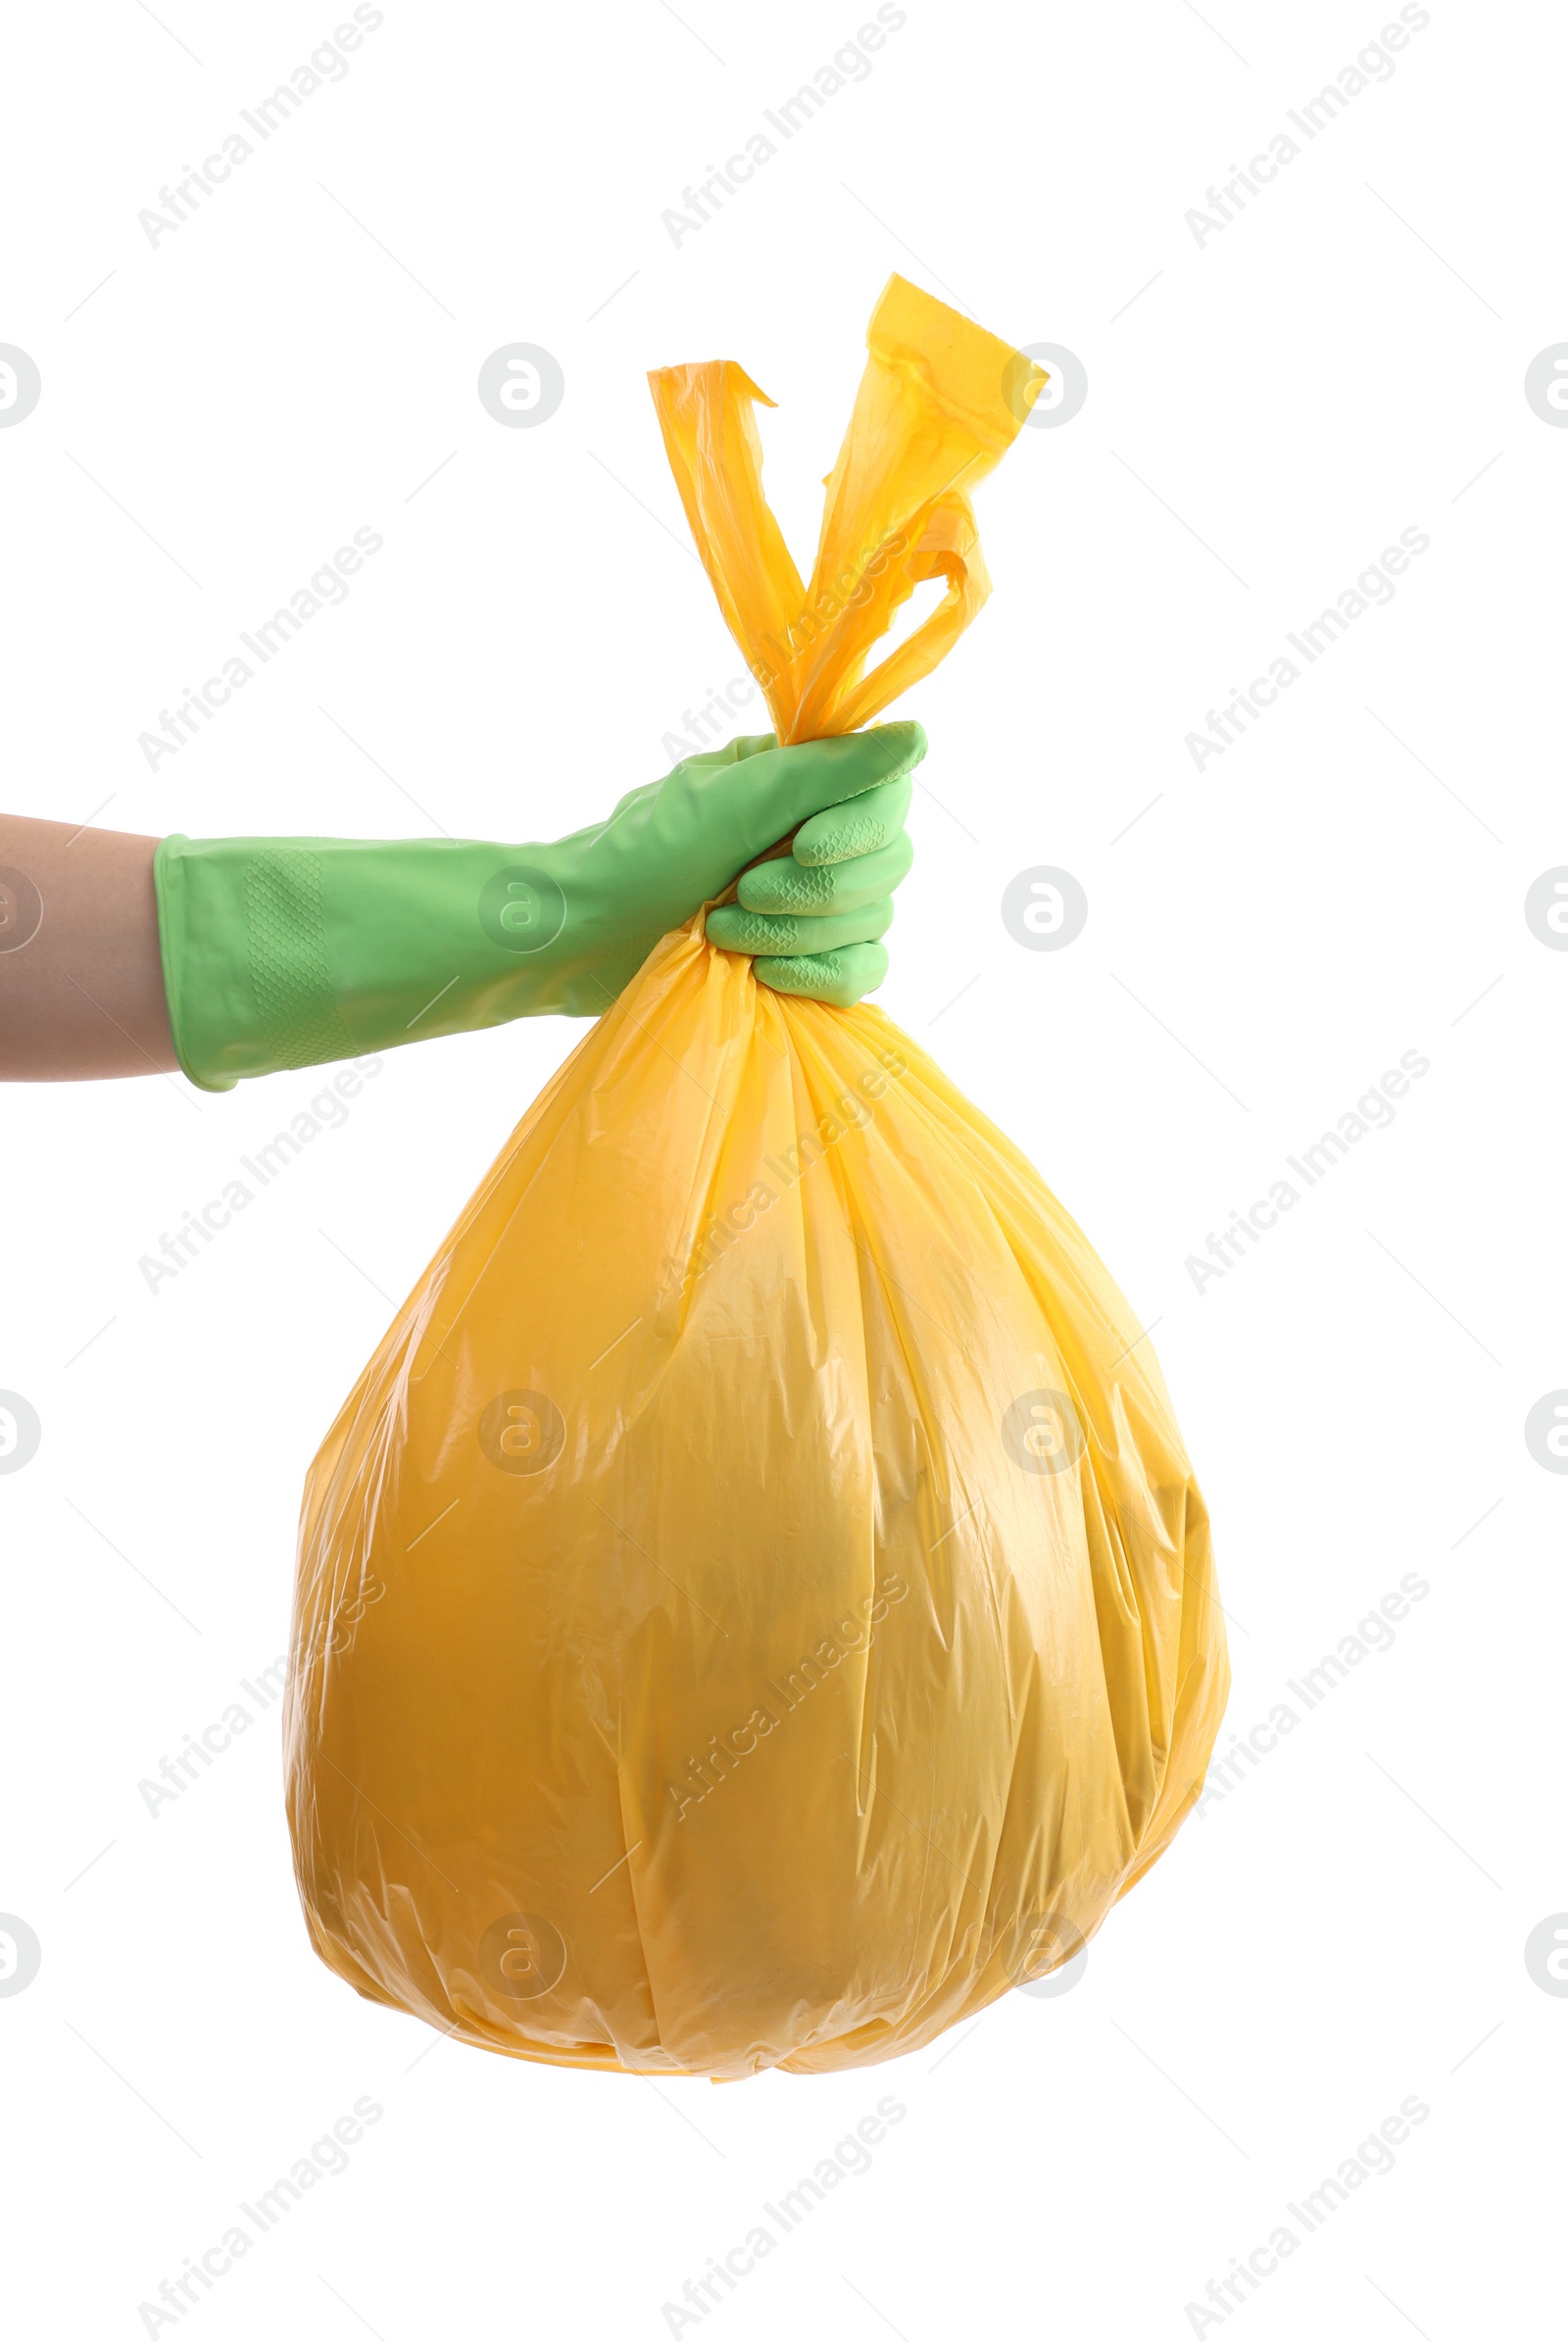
x: 815, y: 917
x: 290, y: 952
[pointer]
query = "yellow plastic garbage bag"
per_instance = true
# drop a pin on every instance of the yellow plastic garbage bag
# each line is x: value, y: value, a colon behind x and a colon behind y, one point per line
x: 754, y: 1606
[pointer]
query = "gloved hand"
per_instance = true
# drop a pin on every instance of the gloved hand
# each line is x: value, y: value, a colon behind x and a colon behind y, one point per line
x: 814, y: 918
x: 290, y: 952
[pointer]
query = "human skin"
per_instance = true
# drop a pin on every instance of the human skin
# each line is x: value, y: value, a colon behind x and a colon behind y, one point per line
x: 82, y: 999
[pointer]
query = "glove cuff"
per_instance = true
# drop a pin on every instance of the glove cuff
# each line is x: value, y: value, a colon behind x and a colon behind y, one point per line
x: 293, y: 951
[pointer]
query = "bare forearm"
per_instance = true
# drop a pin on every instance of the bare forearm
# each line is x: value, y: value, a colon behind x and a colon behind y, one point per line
x: 81, y: 982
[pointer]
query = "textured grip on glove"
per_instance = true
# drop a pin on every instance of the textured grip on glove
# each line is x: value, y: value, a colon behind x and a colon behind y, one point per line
x: 285, y: 935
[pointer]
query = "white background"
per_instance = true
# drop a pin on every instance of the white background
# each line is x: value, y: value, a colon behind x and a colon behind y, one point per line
x: 1266, y: 411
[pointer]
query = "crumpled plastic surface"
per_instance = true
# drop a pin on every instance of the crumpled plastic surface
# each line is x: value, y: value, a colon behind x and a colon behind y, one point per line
x: 755, y: 1607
